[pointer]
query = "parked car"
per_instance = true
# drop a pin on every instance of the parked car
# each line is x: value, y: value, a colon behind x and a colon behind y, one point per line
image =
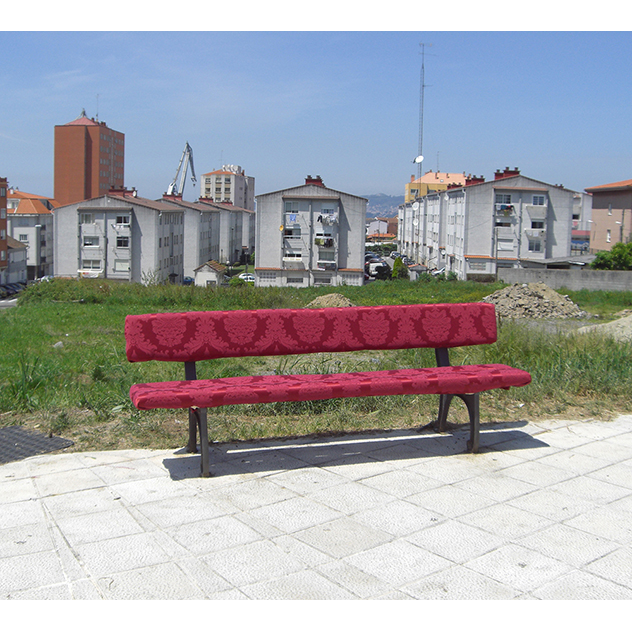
x: 394, y: 255
x: 188, y: 280
x: 10, y: 291
x: 246, y: 276
x: 369, y: 255
x: 3, y: 292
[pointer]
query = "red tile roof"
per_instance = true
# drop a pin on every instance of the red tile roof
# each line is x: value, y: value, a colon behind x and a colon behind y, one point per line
x: 624, y: 184
x: 82, y: 120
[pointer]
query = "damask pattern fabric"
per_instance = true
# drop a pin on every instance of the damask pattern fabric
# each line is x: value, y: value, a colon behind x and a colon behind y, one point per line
x: 195, y: 336
x: 285, y: 388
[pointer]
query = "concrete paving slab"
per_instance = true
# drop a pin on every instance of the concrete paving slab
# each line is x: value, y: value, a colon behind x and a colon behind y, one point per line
x: 543, y: 512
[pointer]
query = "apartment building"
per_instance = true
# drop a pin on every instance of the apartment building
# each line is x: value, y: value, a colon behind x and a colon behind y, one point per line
x: 16, y: 270
x: 310, y: 235
x: 611, y: 220
x: 231, y: 185
x: 215, y: 232
x: 431, y: 181
x: 472, y: 230
x: 30, y: 221
x: 120, y: 236
x: 89, y: 160
x: 4, y: 251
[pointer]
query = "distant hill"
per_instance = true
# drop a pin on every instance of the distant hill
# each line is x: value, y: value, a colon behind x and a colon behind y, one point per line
x: 381, y: 205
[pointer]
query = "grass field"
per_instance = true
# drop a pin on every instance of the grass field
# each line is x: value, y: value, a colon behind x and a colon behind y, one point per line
x: 64, y: 368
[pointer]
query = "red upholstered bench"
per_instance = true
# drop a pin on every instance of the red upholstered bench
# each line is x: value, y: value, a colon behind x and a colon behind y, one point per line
x: 195, y: 336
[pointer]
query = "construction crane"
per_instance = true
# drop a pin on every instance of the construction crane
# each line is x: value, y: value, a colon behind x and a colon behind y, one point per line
x: 187, y: 157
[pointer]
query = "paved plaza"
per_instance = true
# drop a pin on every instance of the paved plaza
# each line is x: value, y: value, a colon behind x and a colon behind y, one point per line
x: 543, y: 512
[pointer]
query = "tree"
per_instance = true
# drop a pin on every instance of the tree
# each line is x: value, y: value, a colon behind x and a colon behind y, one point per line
x: 619, y: 258
x: 400, y: 270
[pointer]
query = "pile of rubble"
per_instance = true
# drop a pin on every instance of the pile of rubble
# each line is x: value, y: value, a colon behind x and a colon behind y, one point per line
x: 533, y: 300
x: 620, y: 329
x: 331, y: 300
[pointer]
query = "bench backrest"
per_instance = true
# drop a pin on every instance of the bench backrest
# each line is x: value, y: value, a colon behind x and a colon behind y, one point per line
x: 196, y: 336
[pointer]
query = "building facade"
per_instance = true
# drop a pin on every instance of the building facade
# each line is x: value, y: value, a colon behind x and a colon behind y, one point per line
x: 120, y: 236
x: 89, y: 160
x: 512, y: 221
x: 611, y: 215
x: 4, y: 250
x: 431, y: 181
x: 231, y: 185
x: 310, y: 235
x: 30, y: 221
x: 215, y: 232
x: 16, y: 270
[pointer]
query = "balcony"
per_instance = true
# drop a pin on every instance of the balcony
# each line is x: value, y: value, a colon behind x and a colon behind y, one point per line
x: 504, y: 209
x: 535, y: 233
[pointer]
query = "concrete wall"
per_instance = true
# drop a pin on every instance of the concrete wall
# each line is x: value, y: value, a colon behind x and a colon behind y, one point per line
x: 610, y: 280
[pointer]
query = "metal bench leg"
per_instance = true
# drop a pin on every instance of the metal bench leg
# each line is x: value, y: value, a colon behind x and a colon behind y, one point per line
x: 472, y: 403
x: 204, y: 447
x: 444, y: 407
x: 192, y: 445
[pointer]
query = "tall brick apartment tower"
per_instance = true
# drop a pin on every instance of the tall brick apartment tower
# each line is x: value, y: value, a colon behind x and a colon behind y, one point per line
x: 89, y: 160
x: 4, y: 251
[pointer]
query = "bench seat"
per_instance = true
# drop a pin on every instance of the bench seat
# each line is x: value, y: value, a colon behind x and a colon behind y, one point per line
x: 262, y: 389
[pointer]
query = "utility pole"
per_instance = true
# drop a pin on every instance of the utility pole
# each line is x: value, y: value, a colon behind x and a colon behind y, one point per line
x: 422, y: 87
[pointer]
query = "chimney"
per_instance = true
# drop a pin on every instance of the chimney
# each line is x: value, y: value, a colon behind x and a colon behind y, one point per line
x: 507, y: 173
x: 470, y: 179
x: 318, y: 181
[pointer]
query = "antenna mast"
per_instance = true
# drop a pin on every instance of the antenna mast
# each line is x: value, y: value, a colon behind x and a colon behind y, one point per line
x: 422, y: 87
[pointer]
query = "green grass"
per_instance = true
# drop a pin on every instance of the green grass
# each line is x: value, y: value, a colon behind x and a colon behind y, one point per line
x: 81, y: 387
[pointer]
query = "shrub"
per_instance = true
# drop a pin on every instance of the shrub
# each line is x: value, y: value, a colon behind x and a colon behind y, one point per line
x: 400, y: 270
x: 619, y: 258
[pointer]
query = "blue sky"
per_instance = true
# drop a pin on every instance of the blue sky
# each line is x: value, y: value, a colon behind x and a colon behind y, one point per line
x: 342, y: 104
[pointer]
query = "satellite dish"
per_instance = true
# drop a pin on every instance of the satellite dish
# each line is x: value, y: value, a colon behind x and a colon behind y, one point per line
x: 415, y: 207
x: 418, y: 159
x: 415, y: 222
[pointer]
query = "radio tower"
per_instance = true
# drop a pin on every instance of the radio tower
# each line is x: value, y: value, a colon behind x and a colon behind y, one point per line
x: 422, y: 87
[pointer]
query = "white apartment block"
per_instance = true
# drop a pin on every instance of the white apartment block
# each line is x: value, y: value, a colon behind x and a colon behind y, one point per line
x: 472, y: 230
x: 30, y: 221
x: 120, y: 236
x: 310, y: 235
x: 231, y: 185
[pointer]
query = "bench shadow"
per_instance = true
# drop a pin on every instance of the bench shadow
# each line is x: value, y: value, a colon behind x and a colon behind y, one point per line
x: 338, y: 449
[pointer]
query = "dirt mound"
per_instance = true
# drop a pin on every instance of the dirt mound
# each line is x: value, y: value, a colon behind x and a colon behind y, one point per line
x: 533, y: 300
x: 331, y: 300
x: 620, y: 330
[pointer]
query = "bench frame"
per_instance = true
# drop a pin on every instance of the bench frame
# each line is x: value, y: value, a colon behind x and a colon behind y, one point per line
x: 198, y: 423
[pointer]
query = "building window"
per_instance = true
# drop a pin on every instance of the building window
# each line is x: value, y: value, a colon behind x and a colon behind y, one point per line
x: 538, y: 200
x: 537, y: 224
x: 86, y: 218
x: 122, y: 242
x: 121, y: 265
x: 293, y: 232
x: 90, y: 240
x: 608, y: 236
x: 3, y: 213
x: 293, y: 256
x: 503, y: 198
x: 3, y: 255
x: 24, y: 237
x: 91, y: 264
x: 291, y: 207
x: 122, y: 219
x: 535, y: 245
x: 296, y: 280
x: 267, y: 276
